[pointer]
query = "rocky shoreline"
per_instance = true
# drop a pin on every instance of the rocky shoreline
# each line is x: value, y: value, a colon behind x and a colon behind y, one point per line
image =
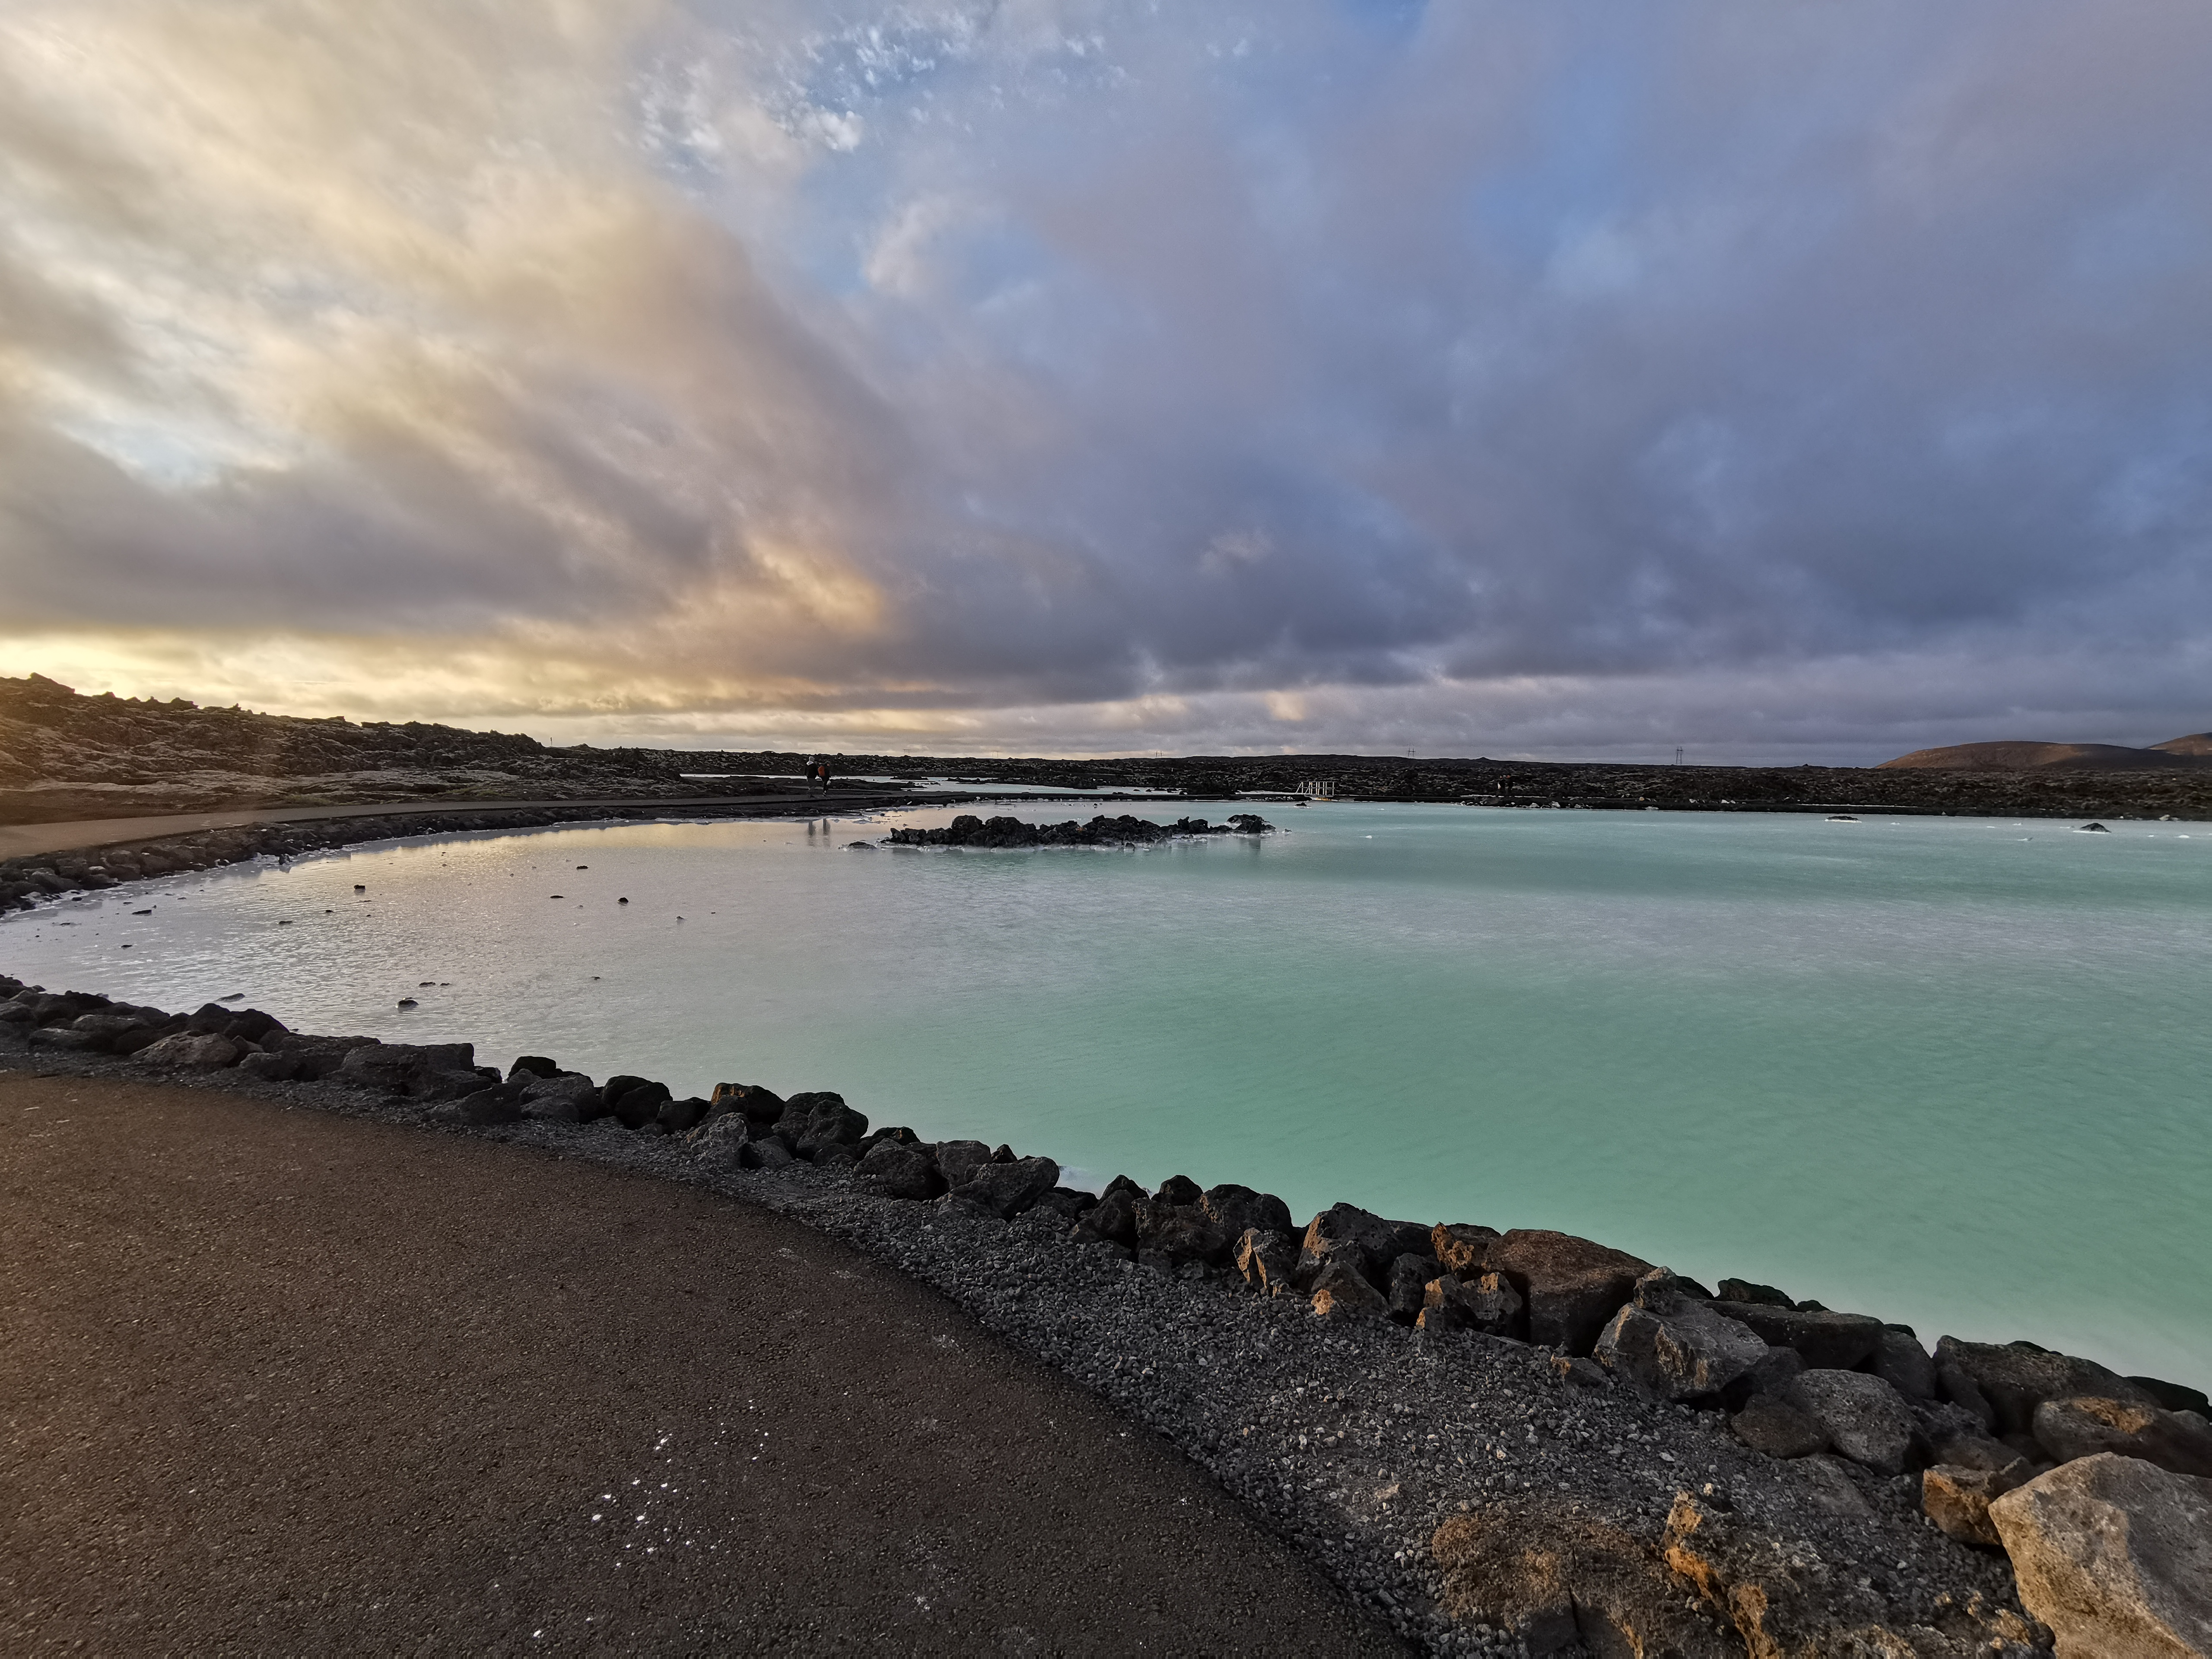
x: 1500, y: 1443
x: 1006, y: 832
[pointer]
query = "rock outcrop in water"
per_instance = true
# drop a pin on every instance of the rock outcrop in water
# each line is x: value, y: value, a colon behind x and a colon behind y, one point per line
x: 1615, y: 1494
x: 968, y: 830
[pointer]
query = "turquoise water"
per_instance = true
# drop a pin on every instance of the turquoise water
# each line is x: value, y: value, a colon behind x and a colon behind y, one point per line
x: 1955, y: 1071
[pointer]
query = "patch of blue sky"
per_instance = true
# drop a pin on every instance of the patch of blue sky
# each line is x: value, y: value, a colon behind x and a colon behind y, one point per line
x: 1579, y: 165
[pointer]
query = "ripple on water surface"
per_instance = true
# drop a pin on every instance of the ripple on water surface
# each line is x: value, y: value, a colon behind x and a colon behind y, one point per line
x: 1955, y: 1072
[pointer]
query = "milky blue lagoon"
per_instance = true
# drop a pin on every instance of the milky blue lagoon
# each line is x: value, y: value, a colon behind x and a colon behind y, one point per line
x: 1955, y: 1071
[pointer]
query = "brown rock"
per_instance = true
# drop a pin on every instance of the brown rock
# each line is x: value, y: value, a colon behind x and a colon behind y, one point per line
x: 1958, y: 1500
x: 1460, y: 1247
x: 1571, y: 1286
x: 1340, y: 1291
x: 1556, y: 1580
x: 2115, y: 1555
x: 1266, y: 1260
x: 2085, y: 1425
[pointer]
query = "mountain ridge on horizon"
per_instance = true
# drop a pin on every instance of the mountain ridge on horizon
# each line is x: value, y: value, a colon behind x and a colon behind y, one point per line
x: 2023, y: 754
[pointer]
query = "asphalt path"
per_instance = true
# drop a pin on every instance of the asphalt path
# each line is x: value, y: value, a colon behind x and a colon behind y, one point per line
x: 28, y: 840
x: 281, y: 1382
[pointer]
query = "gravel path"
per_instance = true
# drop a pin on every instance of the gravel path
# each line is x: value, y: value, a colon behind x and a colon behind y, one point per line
x: 283, y: 1380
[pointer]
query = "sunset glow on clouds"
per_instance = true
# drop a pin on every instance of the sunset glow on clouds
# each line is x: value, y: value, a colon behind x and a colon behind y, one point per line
x: 1797, y: 382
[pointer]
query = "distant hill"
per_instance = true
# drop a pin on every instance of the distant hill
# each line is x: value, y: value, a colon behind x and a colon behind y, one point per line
x: 63, y: 756
x: 2189, y: 751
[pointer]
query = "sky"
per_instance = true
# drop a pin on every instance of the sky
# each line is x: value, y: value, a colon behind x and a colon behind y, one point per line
x: 1786, y: 380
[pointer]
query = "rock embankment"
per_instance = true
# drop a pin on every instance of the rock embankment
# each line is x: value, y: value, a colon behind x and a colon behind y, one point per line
x: 968, y: 830
x: 1507, y: 1442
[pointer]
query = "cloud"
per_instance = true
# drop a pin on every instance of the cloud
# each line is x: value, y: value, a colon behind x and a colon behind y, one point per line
x: 1085, y: 374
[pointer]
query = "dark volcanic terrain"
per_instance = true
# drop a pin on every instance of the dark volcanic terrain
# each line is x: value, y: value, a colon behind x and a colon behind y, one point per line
x: 65, y: 756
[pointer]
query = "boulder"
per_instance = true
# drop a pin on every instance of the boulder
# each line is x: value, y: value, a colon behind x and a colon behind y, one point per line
x: 1340, y: 1291
x: 1237, y: 1210
x: 526, y: 1067
x: 1956, y: 1437
x: 483, y: 1108
x: 1866, y: 1421
x: 1008, y: 1189
x: 679, y: 1117
x: 1407, y: 1291
x: 2175, y: 1396
x: 186, y: 1052
x: 2085, y: 1425
x: 564, y: 1097
x: 718, y: 1143
x: 1901, y: 1362
x: 764, y: 1152
x: 2115, y: 1555
x: 1178, y: 1190
x: 1268, y: 1260
x: 1572, y: 1287
x: 1069, y: 1203
x: 1114, y: 1216
x: 899, y: 1171
x: 1460, y: 1249
x: 1486, y: 1302
x: 1957, y: 1500
x: 1674, y: 1346
x: 1771, y: 1424
x: 1367, y: 1241
x: 762, y: 1106
x: 1954, y: 1387
x: 1771, y: 1373
x: 63, y: 1037
x: 1182, y: 1233
x: 813, y: 1120
x: 637, y: 1103
x: 420, y: 1070
x: 122, y: 1033
x: 960, y: 1159
x: 1744, y: 1289
x: 279, y: 1065
x: 1824, y: 1341
x: 2016, y: 1377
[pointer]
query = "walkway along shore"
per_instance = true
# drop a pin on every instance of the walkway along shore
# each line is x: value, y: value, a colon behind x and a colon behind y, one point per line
x: 1495, y: 1443
x: 290, y: 1382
